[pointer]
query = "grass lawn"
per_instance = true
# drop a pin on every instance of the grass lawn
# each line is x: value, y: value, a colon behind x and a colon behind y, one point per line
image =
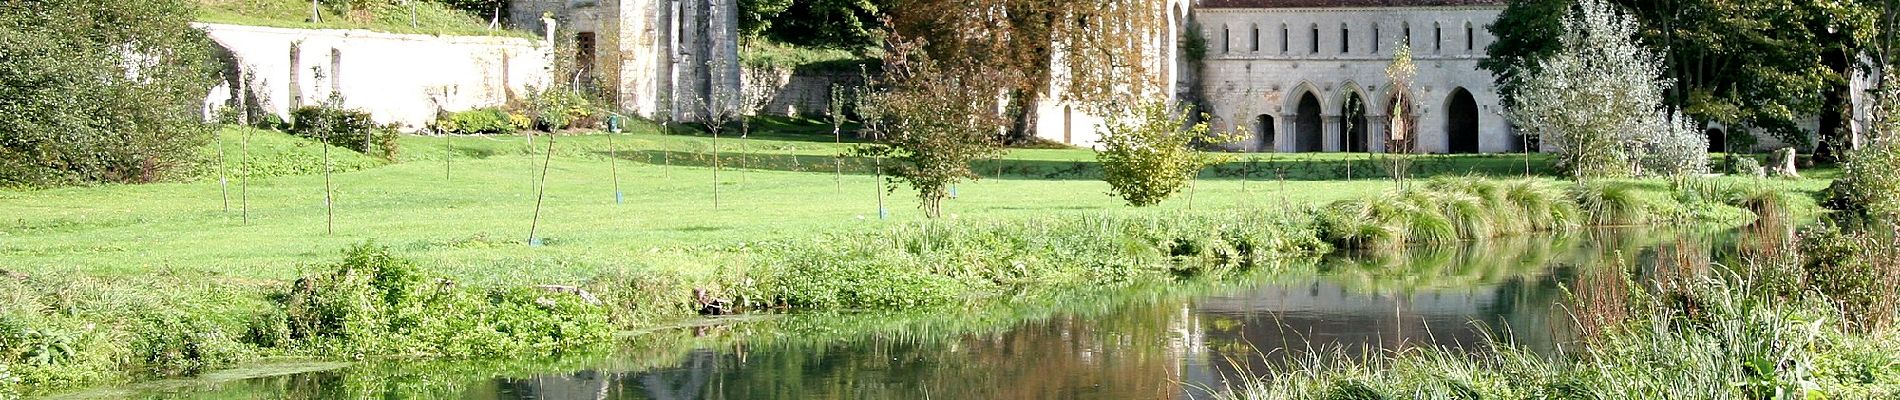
x: 474, y: 222
x: 428, y: 17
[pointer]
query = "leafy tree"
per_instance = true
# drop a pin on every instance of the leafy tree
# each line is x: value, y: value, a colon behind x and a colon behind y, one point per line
x: 832, y: 24
x: 937, y: 119
x: 1527, y: 33
x: 1599, y: 99
x: 1149, y: 157
x: 1758, y: 63
x: 1111, y: 52
x: 100, y: 91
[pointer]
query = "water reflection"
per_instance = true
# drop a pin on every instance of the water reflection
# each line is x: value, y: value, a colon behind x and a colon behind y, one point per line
x: 1178, y: 342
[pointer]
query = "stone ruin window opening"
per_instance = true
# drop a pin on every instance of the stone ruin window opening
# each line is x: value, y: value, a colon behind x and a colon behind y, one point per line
x: 1345, y: 39
x: 1315, y: 47
x: 1286, y: 39
x: 1226, y: 36
x: 1471, y: 38
x: 1256, y: 38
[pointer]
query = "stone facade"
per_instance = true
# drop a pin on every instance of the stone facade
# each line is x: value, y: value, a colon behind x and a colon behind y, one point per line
x: 1286, y: 70
x: 1289, y: 75
x: 659, y: 59
x: 398, y: 78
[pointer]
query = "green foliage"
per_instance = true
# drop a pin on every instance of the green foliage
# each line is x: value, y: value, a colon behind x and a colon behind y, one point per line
x: 555, y: 109
x: 100, y: 91
x: 1858, y: 271
x: 486, y: 121
x: 346, y: 128
x: 939, y: 121
x: 176, y: 343
x: 826, y: 24
x: 1612, y: 204
x: 430, y: 17
x: 1869, y: 185
x: 375, y: 302
x: 1149, y: 158
x: 1745, y: 165
x: 1447, y: 211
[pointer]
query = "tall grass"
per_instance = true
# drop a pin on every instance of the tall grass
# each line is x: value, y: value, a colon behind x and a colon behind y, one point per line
x: 1445, y: 211
x: 1764, y: 329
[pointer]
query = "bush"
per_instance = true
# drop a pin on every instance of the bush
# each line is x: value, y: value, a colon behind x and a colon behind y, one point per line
x: 556, y: 109
x: 1869, y: 185
x: 1745, y: 165
x: 1858, y: 271
x: 1149, y: 159
x: 374, y: 302
x: 346, y: 128
x: 486, y: 121
x: 100, y: 91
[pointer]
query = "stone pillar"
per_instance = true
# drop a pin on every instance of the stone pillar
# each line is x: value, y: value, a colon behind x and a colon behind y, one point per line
x: 1330, y: 133
x: 1376, y: 135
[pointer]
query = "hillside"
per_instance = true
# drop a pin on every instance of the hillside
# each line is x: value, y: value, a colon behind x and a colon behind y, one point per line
x: 426, y: 17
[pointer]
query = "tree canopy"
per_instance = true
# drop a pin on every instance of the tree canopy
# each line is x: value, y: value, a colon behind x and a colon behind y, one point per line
x: 831, y: 24
x: 100, y: 90
x: 1760, y: 63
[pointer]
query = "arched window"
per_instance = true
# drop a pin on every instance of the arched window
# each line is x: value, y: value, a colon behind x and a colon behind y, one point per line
x: 1345, y: 39
x: 1407, y: 40
x: 1226, y: 36
x: 1256, y: 37
x: 1438, y: 38
x: 1286, y: 39
x: 1375, y: 38
x: 1315, y: 46
x: 1471, y: 38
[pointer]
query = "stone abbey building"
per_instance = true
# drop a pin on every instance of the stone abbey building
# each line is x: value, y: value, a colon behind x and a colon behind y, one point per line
x: 1300, y: 75
x: 1310, y: 75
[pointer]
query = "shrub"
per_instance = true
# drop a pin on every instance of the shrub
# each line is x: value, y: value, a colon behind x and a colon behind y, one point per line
x: 486, y: 121
x: 1152, y: 157
x: 1859, y: 271
x: 1745, y: 165
x: 1869, y: 185
x: 556, y: 109
x: 375, y: 302
x: 181, y: 343
x: 346, y: 128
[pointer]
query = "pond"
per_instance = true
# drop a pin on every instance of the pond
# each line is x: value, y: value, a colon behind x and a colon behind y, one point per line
x: 1182, y: 341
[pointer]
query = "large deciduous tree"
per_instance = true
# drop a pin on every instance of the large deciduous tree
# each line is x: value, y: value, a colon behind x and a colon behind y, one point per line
x: 1110, y: 53
x: 100, y: 90
x: 1761, y: 63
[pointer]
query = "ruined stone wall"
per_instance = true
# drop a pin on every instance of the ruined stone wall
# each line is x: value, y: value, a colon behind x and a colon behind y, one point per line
x: 398, y: 78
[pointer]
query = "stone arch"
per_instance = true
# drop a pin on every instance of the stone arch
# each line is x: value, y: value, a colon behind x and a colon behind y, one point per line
x: 1354, y: 124
x: 1265, y: 133
x: 1718, y: 140
x: 1461, y: 122
x: 1310, y: 134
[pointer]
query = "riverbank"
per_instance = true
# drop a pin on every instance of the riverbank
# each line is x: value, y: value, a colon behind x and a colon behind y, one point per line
x: 1804, y: 317
x: 133, y: 282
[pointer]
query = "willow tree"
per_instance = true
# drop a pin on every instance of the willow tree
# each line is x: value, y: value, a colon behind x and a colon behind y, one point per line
x: 1100, y: 55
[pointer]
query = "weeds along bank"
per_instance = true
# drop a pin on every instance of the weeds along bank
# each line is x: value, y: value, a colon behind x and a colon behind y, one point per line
x: 1807, y: 318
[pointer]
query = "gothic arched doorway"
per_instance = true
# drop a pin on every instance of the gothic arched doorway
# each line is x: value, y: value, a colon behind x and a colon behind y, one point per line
x: 1352, y: 125
x: 1264, y: 133
x: 1461, y: 122
x: 1310, y: 138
